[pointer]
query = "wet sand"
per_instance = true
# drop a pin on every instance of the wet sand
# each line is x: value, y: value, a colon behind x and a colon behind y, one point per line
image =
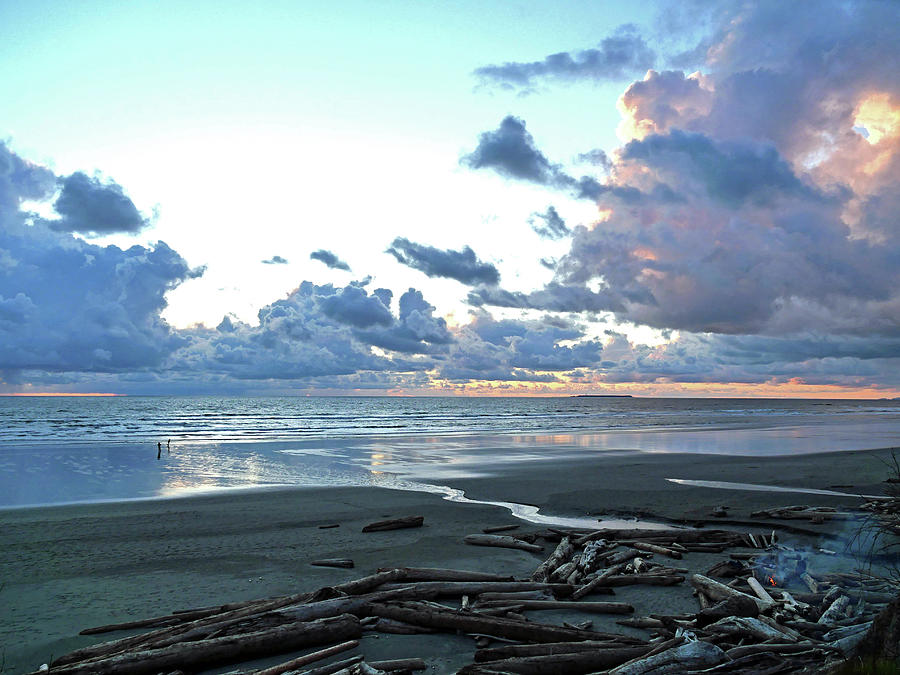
x: 71, y: 567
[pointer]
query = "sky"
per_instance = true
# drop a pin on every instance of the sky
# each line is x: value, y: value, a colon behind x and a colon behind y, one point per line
x: 469, y: 198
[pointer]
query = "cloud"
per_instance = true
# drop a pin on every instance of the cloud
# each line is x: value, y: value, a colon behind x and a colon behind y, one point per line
x: 731, y: 172
x: 595, y: 157
x: 742, y: 201
x: 275, y: 260
x: 510, y: 151
x: 21, y: 180
x: 330, y: 259
x: 464, y: 266
x: 67, y: 304
x: 320, y: 331
x: 91, y: 207
x: 487, y: 349
x: 355, y: 307
x: 622, y: 54
x: 554, y: 226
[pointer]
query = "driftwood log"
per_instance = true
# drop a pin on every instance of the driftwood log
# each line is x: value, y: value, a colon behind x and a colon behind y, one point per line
x: 441, y: 574
x: 423, y: 615
x: 293, y: 664
x: 501, y: 541
x: 558, y: 664
x: 395, y: 524
x: 224, y: 650
x: 560, y: 555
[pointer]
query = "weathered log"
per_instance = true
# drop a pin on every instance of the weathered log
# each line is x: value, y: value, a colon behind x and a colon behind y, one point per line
x: 774, y: 647
x: 731, y: 606
x: 716, y: 591
x: 515, y: 596
x: 595, y: 583
x: 545, y: 649
x: 501, y: 541
x: 647, y: 622
x: 440, y: 574
x: 217, y: 651
x: 560, y: 555
x: 216, y: 621
x: 758, y: 589
x: 461, y: 588
x: 616, y: 557
x: 392, y: 627
x: 360, y: 668
x: 840, y: 633
x: 421, y: 615
x: 301, y: 661
x: 666, y: 570
x: 557, y: 664
x: 399, y: 664
x: 334, y: 668
x: 811, y: 583
x: 642, y: 580
x: 499, y: 528
x: 366, y: 584
x: 682, y: 536
x: 692, y: 655
x: 654, y: 548
x: 344, y: 563
x: 152, y: 622
x: 814, y: 514
x: 502, y: 610
x: 561, y: 573
x: 706, y: 548
x: 395, y: 524
x: 835, y: 611
x: 749, y: 627
x: 595, y: 607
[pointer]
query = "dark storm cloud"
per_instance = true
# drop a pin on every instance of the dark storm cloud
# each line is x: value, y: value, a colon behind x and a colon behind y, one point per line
x: 552, y: 227
x: 66, y: 304
x: 275, y: 260
x: 21, y: 180
x: 91, y: 207
x: 416, y: 331
x: 329, y: 259
x: 553, y: 297
x: 487, y: 349
x: 596, y: 157
x: 746, y: 203
x: 622, y: 54
x: 730, y: 171
x: 510, y: 151
x: 354, y: 307
x: 320, y: 332
x: 464, y: 265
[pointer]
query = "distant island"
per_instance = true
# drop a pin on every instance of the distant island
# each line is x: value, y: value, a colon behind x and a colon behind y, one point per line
x: 602, y: 396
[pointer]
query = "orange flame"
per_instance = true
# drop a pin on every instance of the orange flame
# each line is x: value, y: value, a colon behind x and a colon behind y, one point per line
x: 772, y: 581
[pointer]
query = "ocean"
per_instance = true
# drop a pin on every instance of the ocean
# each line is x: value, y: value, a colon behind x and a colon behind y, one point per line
x: 56, y: 450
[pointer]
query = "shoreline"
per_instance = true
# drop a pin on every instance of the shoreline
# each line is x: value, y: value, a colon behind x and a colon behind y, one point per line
x: 109, y: 473
x: 73, y: 567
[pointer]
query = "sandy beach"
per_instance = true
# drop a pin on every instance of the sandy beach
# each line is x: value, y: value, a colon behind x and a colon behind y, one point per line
x: 72, y: 567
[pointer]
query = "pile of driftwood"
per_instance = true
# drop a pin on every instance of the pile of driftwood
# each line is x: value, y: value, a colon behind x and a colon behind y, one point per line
x: 747, y: 619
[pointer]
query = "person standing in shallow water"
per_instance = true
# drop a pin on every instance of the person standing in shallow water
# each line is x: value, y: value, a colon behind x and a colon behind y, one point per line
x: 169, y: 446
x: 158, y: 449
